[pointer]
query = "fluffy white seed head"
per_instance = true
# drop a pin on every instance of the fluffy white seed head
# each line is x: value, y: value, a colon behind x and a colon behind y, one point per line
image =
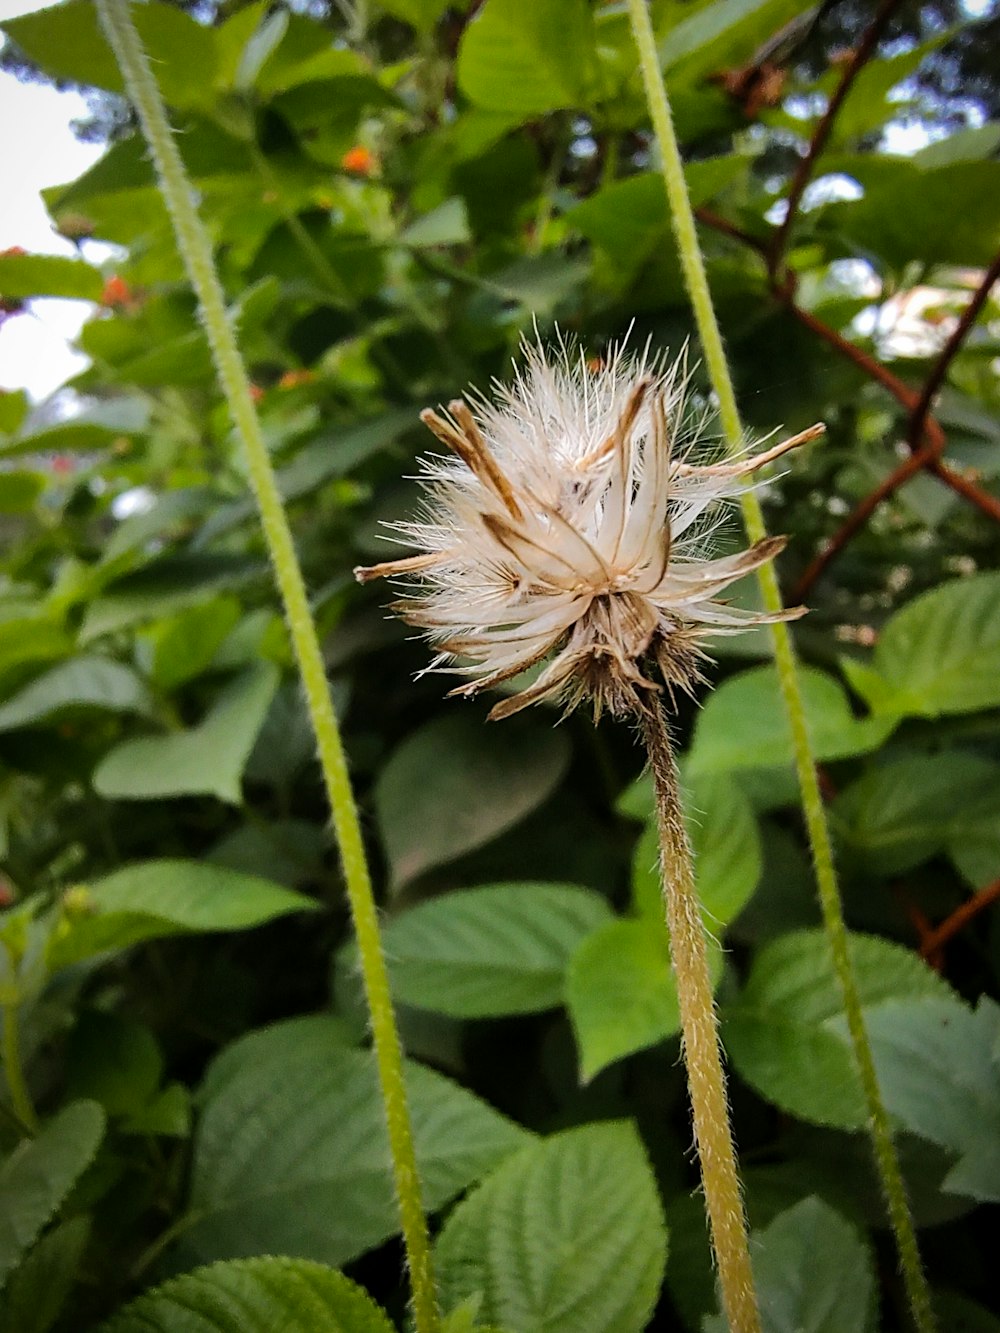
x: 567, y: 528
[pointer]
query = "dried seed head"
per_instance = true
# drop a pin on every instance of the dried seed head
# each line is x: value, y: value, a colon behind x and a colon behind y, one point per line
x: 568, y: 528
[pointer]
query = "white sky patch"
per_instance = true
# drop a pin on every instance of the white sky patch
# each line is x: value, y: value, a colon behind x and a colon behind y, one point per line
x: 38, y: 149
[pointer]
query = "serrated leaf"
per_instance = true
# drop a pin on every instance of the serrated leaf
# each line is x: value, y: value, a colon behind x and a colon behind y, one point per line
x: 82, y: 682
x: 254, y: 1296
x: 205, y: 760
x: 813, y: 1272
x: 455, y: 785
x: 39, y: 1174
x: 529, y: 59
x: 743, y: 724
x: 939, y: 1073
x: 941, y: 652
x: 567, y: 1236
x: 266, y: 1047
x: 621, y: 992
x: 36, y: 1291
x: 481, y: 953
x: 291, y: 1154
x: 156, y: 899
x: 787, y: 1033
x: 905, y: 812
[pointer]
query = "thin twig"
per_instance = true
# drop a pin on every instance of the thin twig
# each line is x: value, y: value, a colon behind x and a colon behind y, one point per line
x: 950, y: 350
x: 922, y: 426
x: 862, y: 53
x: 960, y: 918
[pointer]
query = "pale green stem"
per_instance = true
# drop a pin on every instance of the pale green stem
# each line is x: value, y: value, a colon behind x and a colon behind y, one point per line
x: 13, y: 1068
x: 196, y: 249
x: 696, y: 280
x: 700, y: 1031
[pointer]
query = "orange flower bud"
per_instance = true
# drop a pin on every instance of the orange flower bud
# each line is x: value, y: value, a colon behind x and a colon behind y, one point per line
x: 359, y: 160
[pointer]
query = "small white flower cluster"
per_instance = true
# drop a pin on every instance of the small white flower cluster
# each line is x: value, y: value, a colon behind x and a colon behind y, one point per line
x: 566, y: 526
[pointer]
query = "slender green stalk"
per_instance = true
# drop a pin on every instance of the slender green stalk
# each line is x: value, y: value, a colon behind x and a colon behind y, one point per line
x: 196, y: 249
x: 13, y: 1068
x: 700, y: 1030
x: 682, y: 219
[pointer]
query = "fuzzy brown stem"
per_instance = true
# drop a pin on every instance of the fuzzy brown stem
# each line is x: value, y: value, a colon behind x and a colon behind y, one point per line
x: 700, y: 1032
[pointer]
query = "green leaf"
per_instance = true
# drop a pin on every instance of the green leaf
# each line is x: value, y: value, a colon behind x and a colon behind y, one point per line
x: 567, y: 1236
x: 291, y: 1154
x: 36, y: 1291
x: 456, y: 784
x: 82, y: 682
x: 814, y: 1274
x: 787, y: 1033
x: 480, y: 953
x: 14, y: 406
x: 722, y: 34
x: 117, y: 1063
x: 421, y: 14
x: 67, y: 42
x: 939, y: 1070
x: 184, y: 645
x: 744, y: 724
x: 254, y: 1296
x: 529, y: 59
x: 98, y: 426
x: 154, y: 899
x: 941, y: 652
x: 23, y: 276
x: 204, y: 760
x: 621, y: 993
x: 726, y: 844
x: 19, y: 491
x: 164, y: 587
x: 628, y: 218
x: 905, y: 812
x: 448, y: 224
x: 310, y: 1037
x: 39, y: 1174
x: 941, y: 215
x: 31, y: 638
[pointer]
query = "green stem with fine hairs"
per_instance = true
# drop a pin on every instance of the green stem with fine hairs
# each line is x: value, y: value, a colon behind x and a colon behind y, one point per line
x: 13, y: 1068
x: 196, y: 249
x: 696, y: 280
x: 700, y: 1030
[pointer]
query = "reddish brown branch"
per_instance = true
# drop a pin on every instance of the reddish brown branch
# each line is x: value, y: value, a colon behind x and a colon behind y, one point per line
x: 859, y: 57
x: 967, y: 489
x: 950, y: 350
x: 719, y: 223
x: 960, y: 918
x: 926, y: 455
x: 924, y: 434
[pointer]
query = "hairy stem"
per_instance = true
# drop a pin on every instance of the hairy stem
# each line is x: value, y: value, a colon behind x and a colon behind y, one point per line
x: 696, y: 280
x: 700, y: 1031
x: 13, y: 1068
x: 195, y: 247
